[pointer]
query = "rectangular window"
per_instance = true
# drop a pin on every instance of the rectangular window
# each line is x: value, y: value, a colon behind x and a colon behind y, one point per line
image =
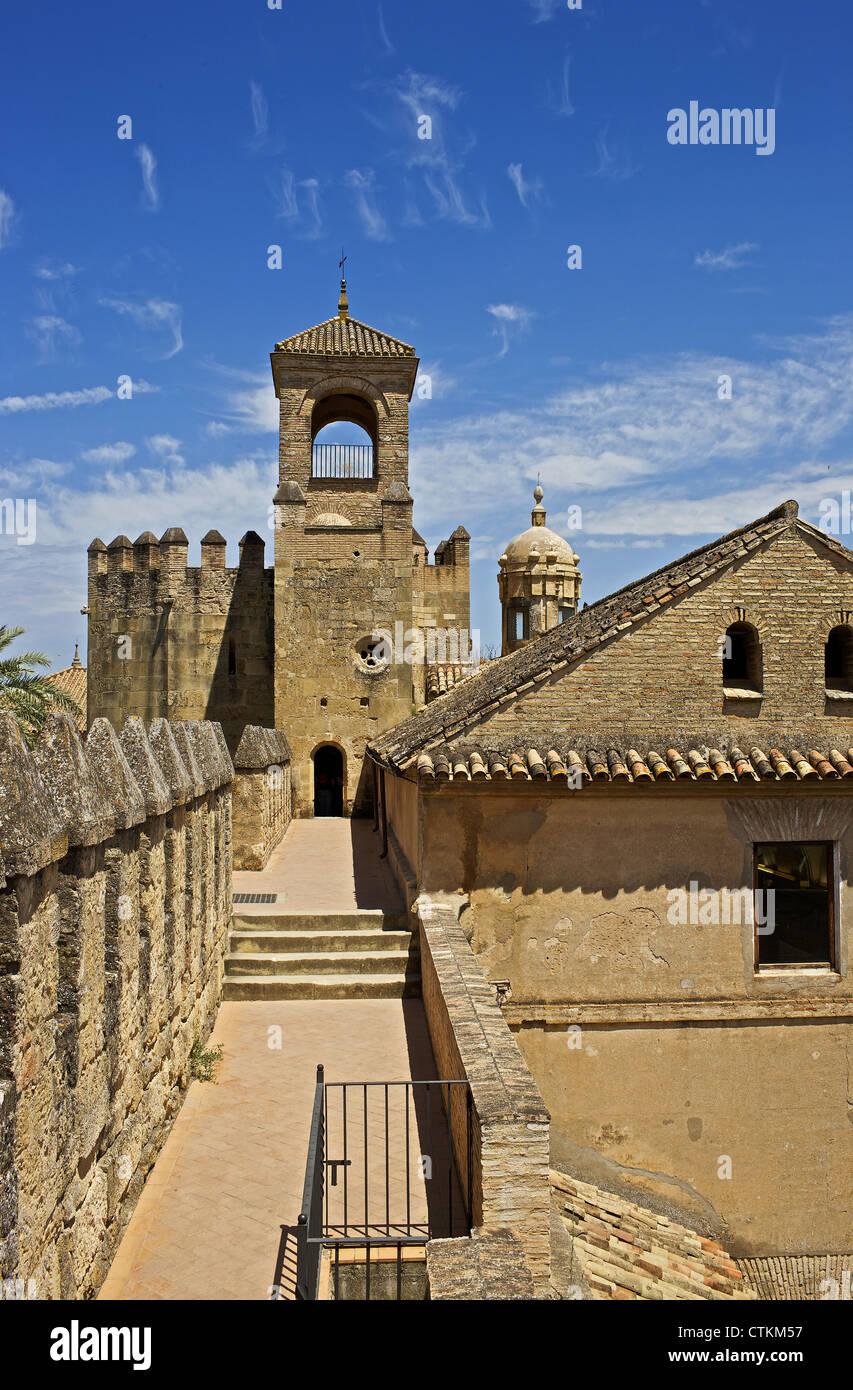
x: 794, y: 905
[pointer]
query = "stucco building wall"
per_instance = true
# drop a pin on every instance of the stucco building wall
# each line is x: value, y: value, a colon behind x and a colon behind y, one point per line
x: 684, y: 1055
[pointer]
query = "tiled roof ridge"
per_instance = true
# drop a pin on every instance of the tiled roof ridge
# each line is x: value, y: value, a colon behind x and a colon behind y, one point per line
x: 568, y: 642
x: 674, y: 760
x: 359, y: 339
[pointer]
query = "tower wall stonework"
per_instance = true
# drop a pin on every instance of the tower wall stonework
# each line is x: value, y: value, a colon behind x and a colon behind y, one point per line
x: 338, y: 583
x: 184, y: 643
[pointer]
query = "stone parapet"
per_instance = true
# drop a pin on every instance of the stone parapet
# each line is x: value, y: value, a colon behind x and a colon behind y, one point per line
x: 481, y: 1268
x: 262, y: 795
x: 471, y: 1041
x: 115, y: 903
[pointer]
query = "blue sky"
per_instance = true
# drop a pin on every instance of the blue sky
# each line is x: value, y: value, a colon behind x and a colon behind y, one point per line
x: 299, y: 127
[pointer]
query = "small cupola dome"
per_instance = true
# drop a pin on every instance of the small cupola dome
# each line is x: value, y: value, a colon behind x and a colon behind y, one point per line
x: 539, y: 581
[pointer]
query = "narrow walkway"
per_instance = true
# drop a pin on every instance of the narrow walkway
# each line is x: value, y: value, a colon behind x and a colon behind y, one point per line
x: 209, y: 1223
x: 324, y: 865
x: 217, y: 1216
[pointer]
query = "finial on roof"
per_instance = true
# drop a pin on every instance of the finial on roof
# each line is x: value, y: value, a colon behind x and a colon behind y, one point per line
x: 76, y: 663
x: 343, y: 306
x: 537, y: 516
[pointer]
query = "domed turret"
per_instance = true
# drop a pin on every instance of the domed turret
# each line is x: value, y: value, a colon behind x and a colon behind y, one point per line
x: 539, y: 581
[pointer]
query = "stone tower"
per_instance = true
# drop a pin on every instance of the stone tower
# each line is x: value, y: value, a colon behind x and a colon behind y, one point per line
x: 343, y: 554
x: 539, y: 581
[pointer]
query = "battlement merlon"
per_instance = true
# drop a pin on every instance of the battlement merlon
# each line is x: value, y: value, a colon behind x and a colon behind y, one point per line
x: 169, y: 556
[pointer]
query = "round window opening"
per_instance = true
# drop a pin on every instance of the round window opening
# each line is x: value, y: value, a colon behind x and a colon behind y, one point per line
x: 373, y: 653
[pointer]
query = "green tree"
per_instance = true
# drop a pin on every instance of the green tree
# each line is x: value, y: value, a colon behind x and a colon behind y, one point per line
x: 24, y: 692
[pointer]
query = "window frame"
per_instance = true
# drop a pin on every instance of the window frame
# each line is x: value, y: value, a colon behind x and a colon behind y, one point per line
x: 832, y: 884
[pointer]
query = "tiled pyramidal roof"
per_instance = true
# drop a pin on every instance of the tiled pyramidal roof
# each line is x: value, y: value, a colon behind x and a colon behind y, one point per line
x: 504, y: 680
x: 72, y: 680
x: 339, y: 337
x: 579, y: 766
x: 625, y: 1251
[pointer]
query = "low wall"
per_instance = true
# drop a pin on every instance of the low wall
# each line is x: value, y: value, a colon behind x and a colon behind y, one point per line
x: 471, y: 1041
x: 262, y: 795
x: 115, y: 902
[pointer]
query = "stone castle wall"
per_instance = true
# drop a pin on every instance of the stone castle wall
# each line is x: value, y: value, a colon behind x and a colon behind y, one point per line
x: 115, y: 899
x: 178, y: 642
x: 262, y: 795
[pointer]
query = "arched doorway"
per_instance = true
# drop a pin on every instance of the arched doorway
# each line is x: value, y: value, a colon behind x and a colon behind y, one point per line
x: 328, y: 781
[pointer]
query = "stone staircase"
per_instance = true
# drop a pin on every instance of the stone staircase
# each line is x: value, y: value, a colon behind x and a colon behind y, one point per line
x: 360, y: 954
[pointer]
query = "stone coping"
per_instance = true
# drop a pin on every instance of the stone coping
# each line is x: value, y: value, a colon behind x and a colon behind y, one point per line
x: 261, y: 748
x: 501, y: 1083
x: 63, y: 793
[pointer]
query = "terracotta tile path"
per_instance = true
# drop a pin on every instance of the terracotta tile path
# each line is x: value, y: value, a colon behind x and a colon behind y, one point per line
x: 215, y: 1219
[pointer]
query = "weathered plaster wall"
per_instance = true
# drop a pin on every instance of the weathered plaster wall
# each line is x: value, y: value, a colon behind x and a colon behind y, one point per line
x: 685, y: 1054
x: 115, y: 895
x: 262, y: 795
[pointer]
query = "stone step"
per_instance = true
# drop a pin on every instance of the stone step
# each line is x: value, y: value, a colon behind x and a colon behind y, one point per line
x: 318, y: 963
x: 275, y: 987
x: 244, y: 918
x: 249, y: 942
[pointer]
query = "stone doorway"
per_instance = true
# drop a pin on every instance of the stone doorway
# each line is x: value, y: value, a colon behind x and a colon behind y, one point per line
x: 328, y: 781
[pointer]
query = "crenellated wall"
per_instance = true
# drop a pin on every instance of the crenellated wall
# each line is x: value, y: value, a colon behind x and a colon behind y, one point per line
x: 115, y: 901
x: 178, y: 641
x: 262, y: 795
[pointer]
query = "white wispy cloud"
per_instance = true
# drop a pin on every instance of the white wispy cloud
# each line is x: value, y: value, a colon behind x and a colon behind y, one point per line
x: 441, y: 384
x: 558, y: 98
x: 148, y: 164
x: 165, y: 447
x: 510, y: 318
x: 153, y: 315
x: 624, y: 441
x: 47, y: 331
x: 260, y: 111
x: 544, y: 10
x: 614, y: 161
x: 251, y: 405
x: 383, y: 35
x: 440, y: 158
x: 526, y: 191
x: 58, y: 270
x: 7, y: 218
x: 61, y: 400
x: 374, y: 224
x: 119, y: 452
x: 731, y: 258
x: 287, y: 202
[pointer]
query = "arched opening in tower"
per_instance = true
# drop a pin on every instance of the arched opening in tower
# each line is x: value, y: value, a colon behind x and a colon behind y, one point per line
x: 328, y: 781
x: 343, y: 431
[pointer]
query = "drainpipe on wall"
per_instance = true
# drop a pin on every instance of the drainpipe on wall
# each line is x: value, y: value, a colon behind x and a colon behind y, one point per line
x: 384, y: 818
x: 375, y: 795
